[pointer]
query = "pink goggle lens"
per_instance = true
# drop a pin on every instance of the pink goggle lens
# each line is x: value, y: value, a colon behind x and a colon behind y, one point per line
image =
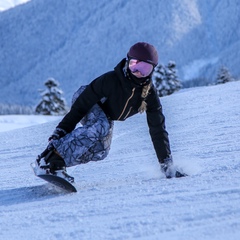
x: 139, y: 66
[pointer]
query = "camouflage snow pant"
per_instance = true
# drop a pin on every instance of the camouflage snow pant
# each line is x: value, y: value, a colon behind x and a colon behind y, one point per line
x: 89, y: 142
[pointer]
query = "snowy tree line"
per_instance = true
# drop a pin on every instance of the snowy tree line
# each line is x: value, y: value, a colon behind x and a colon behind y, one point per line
x: 164, y: 78
x: 223, y: 76
x: 7, y: 109
x: 52, y: 103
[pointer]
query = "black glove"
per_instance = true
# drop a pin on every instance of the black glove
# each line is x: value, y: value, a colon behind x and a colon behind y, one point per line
x: 57, y: 134
x: 167, y: 167
x: 170, y: 170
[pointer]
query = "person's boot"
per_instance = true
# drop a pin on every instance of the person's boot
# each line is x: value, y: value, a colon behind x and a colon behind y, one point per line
x: 55, y: 162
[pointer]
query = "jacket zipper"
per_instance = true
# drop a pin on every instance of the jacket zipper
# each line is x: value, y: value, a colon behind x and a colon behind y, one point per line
x: 128, y: 113
x: 133, y: 90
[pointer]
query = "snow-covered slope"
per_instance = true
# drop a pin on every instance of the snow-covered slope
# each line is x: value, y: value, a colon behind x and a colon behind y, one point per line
x: 125, y: 196
x: 10, y: 122
x: 75, y: 41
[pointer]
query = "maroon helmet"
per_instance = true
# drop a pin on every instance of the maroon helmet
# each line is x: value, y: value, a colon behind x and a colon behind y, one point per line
x: 145, y: 52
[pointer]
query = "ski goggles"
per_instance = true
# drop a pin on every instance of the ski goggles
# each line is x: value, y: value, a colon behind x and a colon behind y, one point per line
x: 140, y: 66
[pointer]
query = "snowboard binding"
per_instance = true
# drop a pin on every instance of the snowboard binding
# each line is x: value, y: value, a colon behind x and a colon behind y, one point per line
x: 58, y: 178
x: 42, y: 168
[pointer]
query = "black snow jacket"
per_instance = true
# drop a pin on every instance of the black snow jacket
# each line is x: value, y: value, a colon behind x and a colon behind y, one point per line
x: 123, y: 98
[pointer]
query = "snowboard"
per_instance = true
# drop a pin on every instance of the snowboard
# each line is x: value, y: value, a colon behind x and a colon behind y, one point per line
x: 61, y: 180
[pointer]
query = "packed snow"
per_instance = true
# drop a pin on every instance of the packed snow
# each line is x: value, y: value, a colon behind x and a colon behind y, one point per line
x: 125, y: 196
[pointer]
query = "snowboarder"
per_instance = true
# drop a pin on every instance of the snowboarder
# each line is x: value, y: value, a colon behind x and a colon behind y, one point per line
x: 115, y: 95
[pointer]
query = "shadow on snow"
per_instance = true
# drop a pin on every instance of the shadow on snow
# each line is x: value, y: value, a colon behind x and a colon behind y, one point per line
x: 29, y: 194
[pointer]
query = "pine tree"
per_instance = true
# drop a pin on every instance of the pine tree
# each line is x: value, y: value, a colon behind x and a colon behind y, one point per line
x: 223, y: 76
x: 159, y: 79
x: 52, y: 102
x: 166, y: 80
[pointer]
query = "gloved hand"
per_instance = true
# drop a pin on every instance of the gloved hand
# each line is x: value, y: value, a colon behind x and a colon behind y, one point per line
x: 170, y: 170
x: 57, y: 134
x: 167, y: 167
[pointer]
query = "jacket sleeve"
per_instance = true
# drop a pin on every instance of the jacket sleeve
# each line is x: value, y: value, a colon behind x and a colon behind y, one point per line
x: 157, y: 130
x: 93, y: 93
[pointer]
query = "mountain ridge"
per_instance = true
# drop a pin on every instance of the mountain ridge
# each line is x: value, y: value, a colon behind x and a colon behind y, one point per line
x: 74, y: 42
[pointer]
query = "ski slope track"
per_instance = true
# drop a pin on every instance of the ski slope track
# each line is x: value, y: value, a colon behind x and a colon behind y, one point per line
x: 125, y: 196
